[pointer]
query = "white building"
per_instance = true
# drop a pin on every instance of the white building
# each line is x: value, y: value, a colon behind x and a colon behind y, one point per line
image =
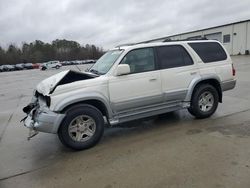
x: 234, y: 36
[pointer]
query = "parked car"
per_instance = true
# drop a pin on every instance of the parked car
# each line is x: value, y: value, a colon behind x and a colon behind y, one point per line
x: 64, y: 63
x: 8, y: 67
x: 51, y: 64
x: 128, y: 83
x: 28, y: 66
x: 19, y: 66
x: 1, y: 68
x: 89, y: 61
x: 35, y: 65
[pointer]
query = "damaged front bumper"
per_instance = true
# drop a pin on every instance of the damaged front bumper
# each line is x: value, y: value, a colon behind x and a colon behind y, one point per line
x: 43, y: 120
x: 40, y: 118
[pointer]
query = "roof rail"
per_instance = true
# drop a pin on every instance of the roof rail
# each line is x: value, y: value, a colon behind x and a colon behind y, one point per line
x: 188, y: 39
x: 131, y: 44
x: 128, y: 44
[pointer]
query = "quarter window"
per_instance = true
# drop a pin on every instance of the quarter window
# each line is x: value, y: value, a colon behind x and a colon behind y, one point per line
x: 209, y: 51
x: 140, y: 60
x: 173, y: 56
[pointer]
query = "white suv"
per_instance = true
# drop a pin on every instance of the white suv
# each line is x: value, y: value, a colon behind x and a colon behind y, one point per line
x: 51, y: 64
x: 131, y: 82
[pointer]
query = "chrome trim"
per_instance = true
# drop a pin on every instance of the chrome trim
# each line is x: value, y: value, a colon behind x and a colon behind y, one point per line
x: 227, y: 85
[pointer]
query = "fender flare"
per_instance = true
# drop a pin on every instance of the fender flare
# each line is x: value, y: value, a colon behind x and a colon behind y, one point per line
x: 81, y: 98
x: 198, y: 80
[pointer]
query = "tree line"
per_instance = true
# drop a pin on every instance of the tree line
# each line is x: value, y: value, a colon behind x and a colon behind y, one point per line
x: 39, y: 51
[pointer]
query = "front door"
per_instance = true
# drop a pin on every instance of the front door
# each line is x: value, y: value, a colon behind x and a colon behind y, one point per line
x: 141, y: 88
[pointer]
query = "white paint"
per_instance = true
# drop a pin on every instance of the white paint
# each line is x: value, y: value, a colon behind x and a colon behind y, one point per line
x: 48, y: 84
x: 118, y: 89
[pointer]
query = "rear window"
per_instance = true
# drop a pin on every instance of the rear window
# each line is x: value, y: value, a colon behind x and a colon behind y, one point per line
x: 209, y: 51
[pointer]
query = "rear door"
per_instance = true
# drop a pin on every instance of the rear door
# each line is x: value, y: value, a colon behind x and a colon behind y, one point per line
x: 177, y: 71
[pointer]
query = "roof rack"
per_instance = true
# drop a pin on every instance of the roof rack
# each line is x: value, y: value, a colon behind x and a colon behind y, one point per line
x: 131, y: 44
x: 128, y: 44
x: 188, y: 39
x: 165, y: 40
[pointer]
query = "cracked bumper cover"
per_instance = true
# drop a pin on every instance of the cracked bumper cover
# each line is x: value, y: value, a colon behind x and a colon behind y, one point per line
x: 43, y: 120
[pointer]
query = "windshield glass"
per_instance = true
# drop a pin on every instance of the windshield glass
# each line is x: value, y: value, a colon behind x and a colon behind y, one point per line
x: 103, y: 64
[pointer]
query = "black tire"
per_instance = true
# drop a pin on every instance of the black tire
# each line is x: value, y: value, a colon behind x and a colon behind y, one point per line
x: 43, y: 68
x: 57, y: 67
x: 195, y: 108
x: 71, y: 114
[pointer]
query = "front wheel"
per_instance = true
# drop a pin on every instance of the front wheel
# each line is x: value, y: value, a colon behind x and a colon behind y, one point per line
x: 204, y: 101
x: 82, y: 127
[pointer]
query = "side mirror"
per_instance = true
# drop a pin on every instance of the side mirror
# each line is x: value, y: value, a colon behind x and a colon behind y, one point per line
x: 122, y: 69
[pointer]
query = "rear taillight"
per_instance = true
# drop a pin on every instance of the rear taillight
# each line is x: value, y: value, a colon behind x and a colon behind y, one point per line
x: 233, y: 70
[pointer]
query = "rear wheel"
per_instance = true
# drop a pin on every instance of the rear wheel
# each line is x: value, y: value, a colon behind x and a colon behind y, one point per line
x: 82, y: 127
x: 204, y: 101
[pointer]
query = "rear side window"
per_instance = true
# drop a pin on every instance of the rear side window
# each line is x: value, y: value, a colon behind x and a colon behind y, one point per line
x: 173, y: 56
x: 209, y: 51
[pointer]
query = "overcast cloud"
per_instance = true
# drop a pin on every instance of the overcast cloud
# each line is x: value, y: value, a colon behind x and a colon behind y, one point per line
x: 110, y: 22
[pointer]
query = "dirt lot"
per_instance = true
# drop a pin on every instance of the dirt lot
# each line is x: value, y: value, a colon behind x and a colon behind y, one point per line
x: 171, y: 150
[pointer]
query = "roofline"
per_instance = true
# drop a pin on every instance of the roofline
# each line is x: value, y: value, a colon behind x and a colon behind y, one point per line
x: 163, y: 43
x: 162, y: 38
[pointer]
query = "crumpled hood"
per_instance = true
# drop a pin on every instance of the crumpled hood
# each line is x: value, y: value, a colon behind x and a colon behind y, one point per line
x: 47, y: 86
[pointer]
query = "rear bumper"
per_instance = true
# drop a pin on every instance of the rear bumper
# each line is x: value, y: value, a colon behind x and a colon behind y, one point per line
x: 43, y: 120
x: 227, y: 85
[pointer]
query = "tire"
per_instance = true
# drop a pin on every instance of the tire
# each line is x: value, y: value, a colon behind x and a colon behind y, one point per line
x: 43, y: 68
x: 204, y: 101
x: 77, y: 134
x: 57, y: 67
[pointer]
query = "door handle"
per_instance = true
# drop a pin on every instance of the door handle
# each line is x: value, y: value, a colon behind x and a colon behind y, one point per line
x: 152, y: 79
x: 193, y: 73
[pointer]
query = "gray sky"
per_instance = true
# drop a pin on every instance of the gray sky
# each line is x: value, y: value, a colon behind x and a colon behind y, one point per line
x: 110, y: 22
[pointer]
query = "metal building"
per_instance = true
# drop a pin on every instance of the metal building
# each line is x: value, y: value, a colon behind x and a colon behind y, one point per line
x: 234, y: 36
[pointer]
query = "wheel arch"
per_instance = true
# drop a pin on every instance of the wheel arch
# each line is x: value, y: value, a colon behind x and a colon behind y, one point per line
x: 92, y: 98
x: 214, y: 81
x: 93, y: 102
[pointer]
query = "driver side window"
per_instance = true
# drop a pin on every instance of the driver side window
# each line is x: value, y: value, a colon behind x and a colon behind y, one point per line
x: 140, y: 60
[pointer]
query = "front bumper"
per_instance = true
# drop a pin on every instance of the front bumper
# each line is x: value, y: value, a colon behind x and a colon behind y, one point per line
x: 43, y: 120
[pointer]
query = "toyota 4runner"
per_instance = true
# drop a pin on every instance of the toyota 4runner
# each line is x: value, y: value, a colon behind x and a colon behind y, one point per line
x: 131, y: 82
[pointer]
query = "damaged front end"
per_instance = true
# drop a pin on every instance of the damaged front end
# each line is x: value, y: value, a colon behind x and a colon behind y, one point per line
x: 39, y: 116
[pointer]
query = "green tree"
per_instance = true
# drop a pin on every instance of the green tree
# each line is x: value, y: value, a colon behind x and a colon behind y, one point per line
x: 38, y: 52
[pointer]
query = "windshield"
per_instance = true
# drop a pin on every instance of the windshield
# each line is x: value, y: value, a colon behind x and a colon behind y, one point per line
x: 103, y: 64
